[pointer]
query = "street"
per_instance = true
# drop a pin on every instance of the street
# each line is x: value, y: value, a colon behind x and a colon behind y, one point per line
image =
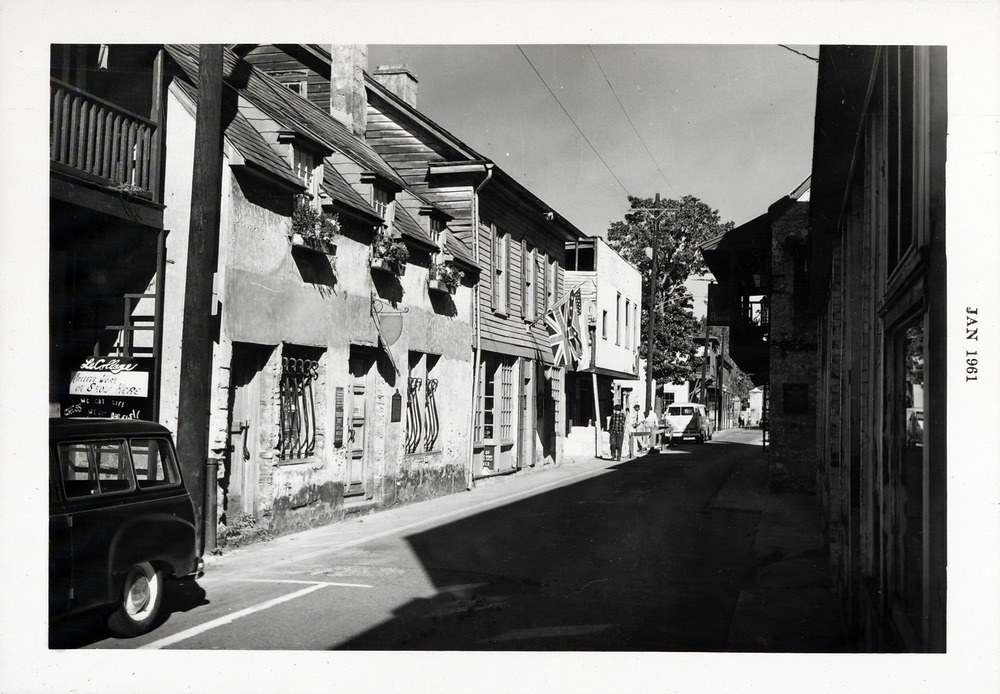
x: 649, y: 554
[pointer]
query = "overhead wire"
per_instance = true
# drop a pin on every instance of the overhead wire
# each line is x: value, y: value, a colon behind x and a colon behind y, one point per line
x: 579, y: 130
x: 634, y: 129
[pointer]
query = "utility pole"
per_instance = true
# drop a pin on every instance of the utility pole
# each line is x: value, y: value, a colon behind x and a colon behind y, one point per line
x: 652, y: 308
x: 194, y: 397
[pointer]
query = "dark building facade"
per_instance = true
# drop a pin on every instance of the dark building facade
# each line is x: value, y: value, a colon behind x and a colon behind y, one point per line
x: 877, y: 282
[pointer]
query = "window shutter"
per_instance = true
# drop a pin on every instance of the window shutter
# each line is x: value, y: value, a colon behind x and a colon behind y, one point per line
x: 524, y: 279
x: 506, y: 273
x: 494, y: 252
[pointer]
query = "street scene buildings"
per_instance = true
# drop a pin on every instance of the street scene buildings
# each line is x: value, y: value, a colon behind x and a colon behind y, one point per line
x: 347, y: 309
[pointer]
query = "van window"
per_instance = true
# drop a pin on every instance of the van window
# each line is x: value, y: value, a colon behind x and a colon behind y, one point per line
x: 97, y: 467
x: 679, y: 410
x: 154, y: 466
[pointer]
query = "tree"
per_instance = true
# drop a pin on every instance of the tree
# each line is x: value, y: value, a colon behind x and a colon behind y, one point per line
x: 684, y: 225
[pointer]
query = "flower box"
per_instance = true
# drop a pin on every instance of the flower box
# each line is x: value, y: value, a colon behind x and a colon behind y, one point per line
x: 314, y: 244
x: 440, y: 286
x: 387, y: 265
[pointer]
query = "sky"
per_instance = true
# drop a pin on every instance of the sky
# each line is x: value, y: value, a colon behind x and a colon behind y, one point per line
x: 729, y: 124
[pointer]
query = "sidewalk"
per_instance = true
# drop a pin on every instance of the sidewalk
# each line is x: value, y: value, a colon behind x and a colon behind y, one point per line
x: 791, y: 606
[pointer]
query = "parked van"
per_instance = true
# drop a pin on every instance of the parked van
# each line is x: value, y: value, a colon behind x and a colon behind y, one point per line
x: 688, y: 420
x: 120, y: 520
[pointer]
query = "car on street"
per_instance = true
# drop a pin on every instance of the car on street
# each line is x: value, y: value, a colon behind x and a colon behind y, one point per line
x: 688, y: 420
x: 121, y: 521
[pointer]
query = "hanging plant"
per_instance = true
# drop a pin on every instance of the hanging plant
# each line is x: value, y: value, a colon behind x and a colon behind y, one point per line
x: 446, y: 275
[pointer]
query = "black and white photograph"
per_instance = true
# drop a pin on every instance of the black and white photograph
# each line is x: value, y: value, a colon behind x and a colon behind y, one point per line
x: 537, y: 358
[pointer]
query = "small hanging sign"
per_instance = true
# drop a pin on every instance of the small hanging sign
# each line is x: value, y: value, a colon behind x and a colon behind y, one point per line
x: 397, y: 407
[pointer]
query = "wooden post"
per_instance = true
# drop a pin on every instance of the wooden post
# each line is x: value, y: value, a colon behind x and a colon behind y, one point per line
x: 598, y: 449
x: 194, y: 398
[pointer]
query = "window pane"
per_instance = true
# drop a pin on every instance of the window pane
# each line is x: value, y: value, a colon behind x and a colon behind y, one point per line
x: 154, y: 466
x: 74, y: 465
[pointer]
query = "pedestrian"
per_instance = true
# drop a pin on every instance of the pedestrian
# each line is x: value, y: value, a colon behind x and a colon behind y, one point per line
x: 651, y: 423
x: 741, y: 420
x: 637, y: 428
x: 616, y: 430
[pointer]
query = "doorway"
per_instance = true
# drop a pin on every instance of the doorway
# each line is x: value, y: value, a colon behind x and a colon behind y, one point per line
x: 241, y: 474
x: 358, y: 480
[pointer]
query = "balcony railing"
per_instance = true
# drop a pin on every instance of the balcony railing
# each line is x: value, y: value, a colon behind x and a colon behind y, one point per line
x: 98, y: 138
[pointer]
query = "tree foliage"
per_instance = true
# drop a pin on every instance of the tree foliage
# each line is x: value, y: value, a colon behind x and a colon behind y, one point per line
x: 683, y: 226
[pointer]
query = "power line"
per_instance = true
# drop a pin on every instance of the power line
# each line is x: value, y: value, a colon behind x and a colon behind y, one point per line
x: 573, y: 122
x: 634, y: 129
x: 815, y: 60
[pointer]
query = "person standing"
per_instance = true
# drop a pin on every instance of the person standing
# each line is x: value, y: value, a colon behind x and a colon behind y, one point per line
x: 616, y: 430
x: 637, y: 427
x: 652, y: 423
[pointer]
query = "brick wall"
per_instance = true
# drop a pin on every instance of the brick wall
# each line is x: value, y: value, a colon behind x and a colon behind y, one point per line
x: 794, y: 350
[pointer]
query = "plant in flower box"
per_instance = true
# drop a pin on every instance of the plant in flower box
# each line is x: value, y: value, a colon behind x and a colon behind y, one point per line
x: 314, y: 229
x: 389, y: 254
x: 445, y: 277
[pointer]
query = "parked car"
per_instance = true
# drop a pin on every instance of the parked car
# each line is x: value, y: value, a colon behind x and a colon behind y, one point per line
x: 688, y: 420
x: 121, y: 520
x: 914, y: 426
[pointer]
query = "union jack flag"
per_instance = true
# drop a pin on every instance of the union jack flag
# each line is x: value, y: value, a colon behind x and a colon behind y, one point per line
x: 565, y: 333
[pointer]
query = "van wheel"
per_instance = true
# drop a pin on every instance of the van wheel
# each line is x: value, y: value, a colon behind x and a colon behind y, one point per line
x: 139, y: 603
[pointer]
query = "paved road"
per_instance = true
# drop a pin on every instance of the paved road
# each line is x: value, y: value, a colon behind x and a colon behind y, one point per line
x: 637, y: 555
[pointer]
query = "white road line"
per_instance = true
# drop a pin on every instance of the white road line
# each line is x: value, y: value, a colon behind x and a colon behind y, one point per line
x: 201, y: 628
x: 294, y: 580
x: 435, y: 519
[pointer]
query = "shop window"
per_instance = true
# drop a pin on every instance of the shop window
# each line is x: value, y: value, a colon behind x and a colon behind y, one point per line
x: 299, y: 371
x: 906, y: 469
x: 495, y: 415
x: 423, y: 425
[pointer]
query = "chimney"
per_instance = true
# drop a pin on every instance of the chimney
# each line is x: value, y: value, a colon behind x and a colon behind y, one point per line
x: 400, y: 80
x: 348, y: 102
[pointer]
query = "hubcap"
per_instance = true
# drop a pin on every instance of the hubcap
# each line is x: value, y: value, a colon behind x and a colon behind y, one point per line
x: 138, y: 595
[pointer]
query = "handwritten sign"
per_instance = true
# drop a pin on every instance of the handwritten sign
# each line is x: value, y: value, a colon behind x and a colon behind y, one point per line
x: 113, y: 387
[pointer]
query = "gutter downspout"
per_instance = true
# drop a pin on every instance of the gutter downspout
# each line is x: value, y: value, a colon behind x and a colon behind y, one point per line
x: 477, y: 324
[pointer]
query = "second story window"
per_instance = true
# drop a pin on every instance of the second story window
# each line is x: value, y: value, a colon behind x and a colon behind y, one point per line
x: 304, y: 166
x: 382, y: 202
x: 436, y: 229
x: 628, y: 323
x: 618, y: 319
x: 501, y: 271
x: 529, y: 267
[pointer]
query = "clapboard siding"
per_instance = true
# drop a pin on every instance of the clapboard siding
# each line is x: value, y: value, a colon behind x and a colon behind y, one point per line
x: 529, y: 226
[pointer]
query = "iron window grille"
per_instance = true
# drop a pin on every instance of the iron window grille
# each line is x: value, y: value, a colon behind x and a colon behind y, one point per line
x: 422, y: 422
x: 298, y: 410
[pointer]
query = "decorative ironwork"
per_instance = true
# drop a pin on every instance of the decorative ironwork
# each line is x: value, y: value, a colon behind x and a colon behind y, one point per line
x: 433, y: 424
x: 414, y: 422
x: 298, y: 412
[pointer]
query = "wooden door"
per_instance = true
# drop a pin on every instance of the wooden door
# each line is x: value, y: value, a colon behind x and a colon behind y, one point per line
x: 248, y: 363
x: 527, y: 425
x: 358, y: 431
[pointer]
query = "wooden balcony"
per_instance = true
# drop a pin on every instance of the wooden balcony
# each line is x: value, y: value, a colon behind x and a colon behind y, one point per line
x: 99, y: 142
